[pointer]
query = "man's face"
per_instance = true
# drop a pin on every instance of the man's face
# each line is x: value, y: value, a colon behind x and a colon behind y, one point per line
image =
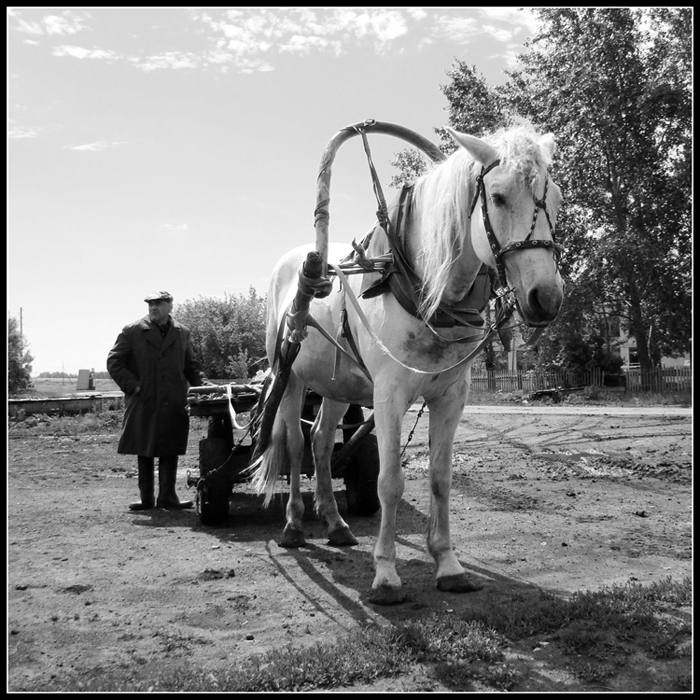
x: 158, y: 311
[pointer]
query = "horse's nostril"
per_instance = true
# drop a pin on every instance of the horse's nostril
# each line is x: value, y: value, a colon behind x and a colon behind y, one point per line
x: 543, y: 303
x: 533, y: 300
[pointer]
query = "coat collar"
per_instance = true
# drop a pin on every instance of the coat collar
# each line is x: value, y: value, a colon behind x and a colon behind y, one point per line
x: 154, y: 335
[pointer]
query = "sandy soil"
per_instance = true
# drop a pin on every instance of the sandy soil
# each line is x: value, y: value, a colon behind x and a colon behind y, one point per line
x: 564, y: 499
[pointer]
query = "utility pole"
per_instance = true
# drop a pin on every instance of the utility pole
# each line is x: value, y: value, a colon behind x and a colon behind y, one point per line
x: 20, y: 321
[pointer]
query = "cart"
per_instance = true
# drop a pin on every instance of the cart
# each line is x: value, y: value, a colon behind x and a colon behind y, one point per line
x: 224, y: 455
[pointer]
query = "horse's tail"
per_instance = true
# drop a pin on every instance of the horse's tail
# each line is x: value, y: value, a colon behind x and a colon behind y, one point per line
x: 268, y: 467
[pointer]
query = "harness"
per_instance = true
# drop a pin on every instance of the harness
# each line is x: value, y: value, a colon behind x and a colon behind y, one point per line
x: 401, y: 280
x: 398, y: 275
x: 529, y: 242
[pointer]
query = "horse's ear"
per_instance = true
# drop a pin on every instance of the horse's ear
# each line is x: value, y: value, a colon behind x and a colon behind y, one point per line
x: 548, y: 143
x: 478, y: 149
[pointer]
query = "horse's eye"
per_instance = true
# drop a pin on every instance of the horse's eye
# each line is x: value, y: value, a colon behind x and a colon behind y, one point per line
x: 498, y: 199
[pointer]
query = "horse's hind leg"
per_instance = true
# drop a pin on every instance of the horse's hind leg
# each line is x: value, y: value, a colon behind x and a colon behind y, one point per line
x: 293, y: 533
x: 444, y: 418
x: 323, y: 440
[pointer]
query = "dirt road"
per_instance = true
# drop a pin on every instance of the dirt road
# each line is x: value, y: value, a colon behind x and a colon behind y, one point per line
x: 561, y: 499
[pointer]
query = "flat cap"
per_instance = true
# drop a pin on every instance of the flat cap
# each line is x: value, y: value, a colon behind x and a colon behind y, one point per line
x: 157, y: 296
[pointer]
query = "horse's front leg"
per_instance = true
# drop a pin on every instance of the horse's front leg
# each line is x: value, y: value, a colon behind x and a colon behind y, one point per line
x: 388, y: 414
x: 323, y: 440
x: 445, y: 414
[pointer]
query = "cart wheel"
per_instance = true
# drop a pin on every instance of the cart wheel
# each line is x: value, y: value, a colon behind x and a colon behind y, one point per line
x: 214, y: 503
x: 361, y: 478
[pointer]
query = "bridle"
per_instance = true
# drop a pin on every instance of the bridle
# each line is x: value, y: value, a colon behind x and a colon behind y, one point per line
x: 529, y: 242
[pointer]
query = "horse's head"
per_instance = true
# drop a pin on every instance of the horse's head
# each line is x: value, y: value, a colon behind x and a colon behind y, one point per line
x: 511, y: 234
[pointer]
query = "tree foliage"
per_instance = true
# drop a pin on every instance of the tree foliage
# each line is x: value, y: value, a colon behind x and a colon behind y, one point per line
x: 228, y: 334
x: 474, y: 108
x: 19, y: 367
x: 614, y: 84
x: 615, y: 87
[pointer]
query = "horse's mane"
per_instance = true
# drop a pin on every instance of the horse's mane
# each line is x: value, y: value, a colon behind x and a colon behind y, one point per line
x: 445, y: 196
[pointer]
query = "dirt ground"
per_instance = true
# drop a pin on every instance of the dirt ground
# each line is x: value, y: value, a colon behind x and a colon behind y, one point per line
x: 563, y: 498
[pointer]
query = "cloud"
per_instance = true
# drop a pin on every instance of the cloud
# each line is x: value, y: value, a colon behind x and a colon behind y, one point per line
x: 417, y: 13
x: 460, y: 30
x: 500, y: 34
x: 171, y: 59
x: 501, y: 23
x: 28, y: 27
x: 67, y: 23
x: 173, y: 229
x: 255, y: 39
x: 97, y: 146
x: 518, y: 20
x: 79, y: 52
x: 300, y: 31
x: 304, y: 45
x: 19, y: 132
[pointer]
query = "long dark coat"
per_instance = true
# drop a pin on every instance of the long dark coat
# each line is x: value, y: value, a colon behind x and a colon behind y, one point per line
x: 156, y: 420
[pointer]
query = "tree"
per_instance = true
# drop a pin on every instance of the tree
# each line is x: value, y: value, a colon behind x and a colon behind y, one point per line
x: 228, y: 334
x: 19, y: 368
x: 614, y: 85
x: 474, y: 108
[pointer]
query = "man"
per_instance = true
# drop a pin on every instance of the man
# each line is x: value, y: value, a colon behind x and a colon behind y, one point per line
x: 152, y: 362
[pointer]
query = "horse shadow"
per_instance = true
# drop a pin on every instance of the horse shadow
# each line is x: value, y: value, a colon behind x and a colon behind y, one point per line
x: 345, y: 574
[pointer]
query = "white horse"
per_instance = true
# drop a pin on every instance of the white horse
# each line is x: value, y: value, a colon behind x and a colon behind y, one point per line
x: 402, y: 351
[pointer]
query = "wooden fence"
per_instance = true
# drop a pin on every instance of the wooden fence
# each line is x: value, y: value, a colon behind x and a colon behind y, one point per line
x: 661, y: 380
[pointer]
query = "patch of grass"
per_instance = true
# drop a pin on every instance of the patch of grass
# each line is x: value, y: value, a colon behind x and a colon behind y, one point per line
x: 362, y: 657
x: 458, y: 652
x: 88, y: 423
x: 592, y: 395
x: 603, y: 628
x: 669, y: 591
x: 599, y: 630
x: 683, y: 682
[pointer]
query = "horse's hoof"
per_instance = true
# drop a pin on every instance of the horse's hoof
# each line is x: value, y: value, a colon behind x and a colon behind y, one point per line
x: 386, y: 595
x: 342, y: 537
x: 458, y: 583
x: 292, y: 538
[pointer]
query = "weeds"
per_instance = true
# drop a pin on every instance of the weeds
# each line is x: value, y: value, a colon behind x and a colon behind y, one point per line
x: 603, y: 628
x: 88, y: 423
x: 598, y: 630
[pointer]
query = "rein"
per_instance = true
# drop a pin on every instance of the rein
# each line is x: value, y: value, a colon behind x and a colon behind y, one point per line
x: 488, y: 334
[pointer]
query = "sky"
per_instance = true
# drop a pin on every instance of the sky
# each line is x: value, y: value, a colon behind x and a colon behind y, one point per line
x: 177, y: 149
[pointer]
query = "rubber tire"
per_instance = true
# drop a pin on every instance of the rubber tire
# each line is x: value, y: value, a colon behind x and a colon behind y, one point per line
x: 361, y: 477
